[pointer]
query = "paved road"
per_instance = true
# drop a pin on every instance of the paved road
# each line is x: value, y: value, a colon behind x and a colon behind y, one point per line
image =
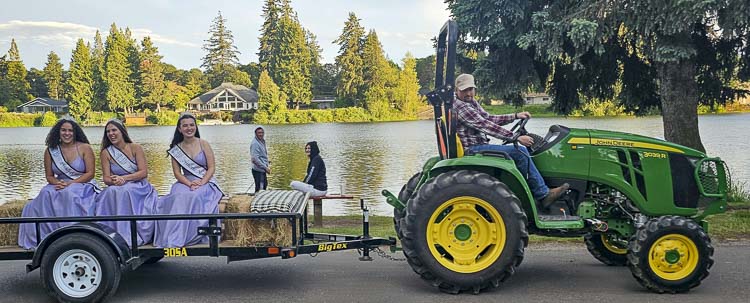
x: 550, y: 274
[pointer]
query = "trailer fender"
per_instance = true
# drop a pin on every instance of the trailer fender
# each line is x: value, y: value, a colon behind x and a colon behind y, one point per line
x: 105, y: 233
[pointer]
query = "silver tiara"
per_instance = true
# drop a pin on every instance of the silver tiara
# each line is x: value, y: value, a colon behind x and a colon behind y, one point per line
x: 186, y: 114
x: 67, y: 117
x: 115, y: 120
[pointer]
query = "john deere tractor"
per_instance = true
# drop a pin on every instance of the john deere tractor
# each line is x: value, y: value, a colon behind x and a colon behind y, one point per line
x: 464, y: 220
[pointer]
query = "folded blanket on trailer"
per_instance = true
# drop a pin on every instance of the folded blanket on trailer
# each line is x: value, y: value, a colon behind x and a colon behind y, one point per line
x: 278, y: 201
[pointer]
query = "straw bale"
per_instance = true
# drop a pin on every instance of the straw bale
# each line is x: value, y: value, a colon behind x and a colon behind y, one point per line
x: 9, y: 232
x: 254, y: 232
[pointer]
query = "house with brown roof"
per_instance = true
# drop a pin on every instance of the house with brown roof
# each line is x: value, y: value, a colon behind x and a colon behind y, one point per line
x: 225, y: 97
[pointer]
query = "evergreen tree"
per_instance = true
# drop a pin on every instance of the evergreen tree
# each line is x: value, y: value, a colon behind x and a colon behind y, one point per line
x: 271, y: 100
x: 81, y: 82
x: 195, y: 83
x: 349, y: 62
x: 426, y: 72
x: 134, y: 62
x: 378, y: 74
x: 269, y: 42
x: 324, y: 80
x: 38, y: 85
x: 17, y: 87
x: 120, y: 93
x: 221, y: 55
x: 97, y: 65
x: 53, y: 76
x: 152, y: 83
x: 406, y: 92
x: 253, y: 70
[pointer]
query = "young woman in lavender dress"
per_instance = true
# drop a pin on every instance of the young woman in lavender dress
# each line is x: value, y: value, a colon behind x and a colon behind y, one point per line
x: 124, y: 170
x: 195, y: 191
x: 71, y: 189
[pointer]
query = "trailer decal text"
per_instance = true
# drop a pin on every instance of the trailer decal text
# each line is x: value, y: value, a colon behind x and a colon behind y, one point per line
x: 175, y: 252
x: 331, y: 247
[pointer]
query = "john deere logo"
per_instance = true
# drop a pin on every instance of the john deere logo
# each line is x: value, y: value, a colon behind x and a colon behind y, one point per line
x: 331, y: 247
x: 612, y: 142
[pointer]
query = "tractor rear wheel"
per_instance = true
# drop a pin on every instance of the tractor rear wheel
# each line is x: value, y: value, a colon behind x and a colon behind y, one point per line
x: 605, y: 248
x: 406, y: 191
x: 670, y: 254
x: 464, y: 230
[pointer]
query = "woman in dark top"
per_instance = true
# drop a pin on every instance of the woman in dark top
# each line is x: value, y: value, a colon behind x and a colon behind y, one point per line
x: 315, y: 181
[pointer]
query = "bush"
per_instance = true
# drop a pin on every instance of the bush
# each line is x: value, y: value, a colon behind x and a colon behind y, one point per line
x: 99, y: 118
x: 47, y: 120
x: 163, y: 118
x: 18, y: 119
x: 351, y: 114
x: 297, y: 117
x: 321, y: 115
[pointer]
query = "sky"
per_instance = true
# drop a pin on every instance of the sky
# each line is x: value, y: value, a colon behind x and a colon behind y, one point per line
x: 179, y: 28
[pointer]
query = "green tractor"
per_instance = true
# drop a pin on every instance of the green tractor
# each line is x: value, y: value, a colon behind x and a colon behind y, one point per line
x: 640, y: 202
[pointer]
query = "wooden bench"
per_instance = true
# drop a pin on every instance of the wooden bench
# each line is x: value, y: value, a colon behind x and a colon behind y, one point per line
x: 318, y: 206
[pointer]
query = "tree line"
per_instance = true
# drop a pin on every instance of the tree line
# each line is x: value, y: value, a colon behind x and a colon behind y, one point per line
x: 123, y: 75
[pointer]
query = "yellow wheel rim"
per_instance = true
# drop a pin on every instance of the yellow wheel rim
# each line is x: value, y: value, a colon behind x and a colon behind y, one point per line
x: 673, y: 257
x: 466, y: 234
x: 612, y: 246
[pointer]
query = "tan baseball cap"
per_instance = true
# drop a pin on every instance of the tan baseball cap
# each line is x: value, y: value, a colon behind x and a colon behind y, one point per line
x: 464, y: 81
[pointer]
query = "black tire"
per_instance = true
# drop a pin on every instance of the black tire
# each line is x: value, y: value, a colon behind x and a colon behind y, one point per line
x: 595, y: 243
x: 670, y: 227
x: 85, y: 251
x: 429, y: 199
x: 153, y: 260
x: 403, y: 196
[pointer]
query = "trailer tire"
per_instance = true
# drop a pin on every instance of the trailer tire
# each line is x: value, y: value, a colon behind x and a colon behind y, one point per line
x: 603, y: 250
x: 464, y: 230
x: 406, y: 191
x: 80, y: 267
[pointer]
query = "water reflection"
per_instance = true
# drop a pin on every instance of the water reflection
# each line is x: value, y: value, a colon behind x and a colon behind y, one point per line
x: 361, y: 159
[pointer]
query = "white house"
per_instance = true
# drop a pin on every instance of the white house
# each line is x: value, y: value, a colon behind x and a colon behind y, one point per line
x: 225, y: 97
x: 537, y: 98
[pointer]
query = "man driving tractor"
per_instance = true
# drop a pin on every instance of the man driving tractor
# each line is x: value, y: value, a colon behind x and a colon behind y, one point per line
x: 474, y: 124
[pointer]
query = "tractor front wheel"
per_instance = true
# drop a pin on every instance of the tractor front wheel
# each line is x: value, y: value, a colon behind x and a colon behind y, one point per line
x: 670, y: 254
x: 607, y: 248
x: 406, y: 192
x: 464, y: 230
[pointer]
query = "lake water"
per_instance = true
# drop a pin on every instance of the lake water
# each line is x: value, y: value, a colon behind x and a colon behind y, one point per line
x: 361, y: 159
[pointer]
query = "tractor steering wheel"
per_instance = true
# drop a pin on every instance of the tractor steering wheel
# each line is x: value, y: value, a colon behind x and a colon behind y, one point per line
x: 519, y: 129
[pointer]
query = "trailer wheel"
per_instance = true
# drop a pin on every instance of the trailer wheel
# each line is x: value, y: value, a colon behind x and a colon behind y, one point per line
x: 80, y: 267
x: 605, y: 249
x: 670, y: 254
x: 404, y: 195
x: 464, y: 230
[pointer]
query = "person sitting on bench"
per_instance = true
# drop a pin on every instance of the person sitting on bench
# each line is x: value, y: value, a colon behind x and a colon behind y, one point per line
x: 315, y: 181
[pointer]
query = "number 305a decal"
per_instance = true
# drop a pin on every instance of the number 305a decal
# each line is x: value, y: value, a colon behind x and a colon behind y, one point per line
x: 175, y: 252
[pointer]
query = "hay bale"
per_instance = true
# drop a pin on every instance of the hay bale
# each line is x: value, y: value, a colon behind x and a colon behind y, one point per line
x: 254, y: 232
x: 9, y: 232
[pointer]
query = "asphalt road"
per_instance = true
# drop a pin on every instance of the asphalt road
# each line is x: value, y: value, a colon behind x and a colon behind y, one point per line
x: 548, y: 274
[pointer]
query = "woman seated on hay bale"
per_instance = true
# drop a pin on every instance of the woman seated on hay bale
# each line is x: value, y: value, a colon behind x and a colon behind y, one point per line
x: 71, y: 189
x: 124, y: 170
x: 196, y: 190
x: 315, y: 181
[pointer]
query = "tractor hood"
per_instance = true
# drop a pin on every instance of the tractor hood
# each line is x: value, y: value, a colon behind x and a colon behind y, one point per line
x: 621, y: 139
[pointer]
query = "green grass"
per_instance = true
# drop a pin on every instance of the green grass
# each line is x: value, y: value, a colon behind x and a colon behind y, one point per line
x: 738, y: 193
x: 732, y: 225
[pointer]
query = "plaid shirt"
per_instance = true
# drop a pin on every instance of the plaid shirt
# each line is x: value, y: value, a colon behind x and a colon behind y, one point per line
x: 474, y: 124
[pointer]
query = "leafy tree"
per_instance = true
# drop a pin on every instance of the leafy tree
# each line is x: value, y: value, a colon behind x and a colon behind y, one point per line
x: 221, y: 56
x: 349, y: 62
x: 670, y: 54
x: 153, y: 86
x: 406, y: 92
x: 237, y: 76
x: 38, y: 85
x: 120, y: 92
x: 195, y: 83
x: 81, y: 81
x: 177, y: 96
x: 426, y: 71
x: 253, y: 70
x: 97, y: 65
x: 53, y: 76
x: 379, y: 75
x: 324, y: 80
x: 14, y: 75
x: 271, y: 100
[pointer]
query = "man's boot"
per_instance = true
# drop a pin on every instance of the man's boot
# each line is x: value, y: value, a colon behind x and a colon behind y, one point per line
x: 554, y: 194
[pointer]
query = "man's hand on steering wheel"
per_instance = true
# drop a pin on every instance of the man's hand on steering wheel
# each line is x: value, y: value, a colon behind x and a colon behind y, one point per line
x: 523, y: 115
x: 525, y: 141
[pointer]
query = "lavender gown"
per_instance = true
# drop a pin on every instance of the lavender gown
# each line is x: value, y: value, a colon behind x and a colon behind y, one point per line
x: 76, y: 199
x: 131, y: 198
x: 181, y: 200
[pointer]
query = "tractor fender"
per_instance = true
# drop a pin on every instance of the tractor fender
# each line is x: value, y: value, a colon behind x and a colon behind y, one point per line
x: 105, y: 233
x: 503, y: 169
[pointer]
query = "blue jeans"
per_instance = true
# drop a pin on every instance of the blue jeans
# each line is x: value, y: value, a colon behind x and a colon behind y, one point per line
x: 524, y: 164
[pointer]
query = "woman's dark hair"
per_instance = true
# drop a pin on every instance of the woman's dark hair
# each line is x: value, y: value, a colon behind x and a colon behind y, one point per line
x: 178, y: 137
x: 314, y: 150
x: 105, y: 141
x: 53, y: 137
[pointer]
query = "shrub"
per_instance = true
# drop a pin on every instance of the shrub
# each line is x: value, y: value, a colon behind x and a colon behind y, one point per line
x: 18, y: 119
x: 99, y: 118
x: 163, y: 118
x: 321, y: 115
x: 351, y: 114
x: 297, y: 116
x: 47, y: 120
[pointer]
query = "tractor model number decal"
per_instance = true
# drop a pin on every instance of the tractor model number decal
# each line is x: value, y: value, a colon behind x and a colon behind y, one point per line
x: 654, y: 155
x: 331, y: 246
x: 175, y: 252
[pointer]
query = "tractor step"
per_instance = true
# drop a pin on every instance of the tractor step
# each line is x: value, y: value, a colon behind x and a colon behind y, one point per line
x: 558, y: 218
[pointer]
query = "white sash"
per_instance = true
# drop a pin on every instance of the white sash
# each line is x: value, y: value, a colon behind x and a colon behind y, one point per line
x: 122, y: 160
x: 59, y: 161
x: 190, y: 165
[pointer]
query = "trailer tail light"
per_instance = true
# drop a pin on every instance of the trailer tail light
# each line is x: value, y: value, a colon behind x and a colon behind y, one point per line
x: 273, y: 250
x: 288, y: 253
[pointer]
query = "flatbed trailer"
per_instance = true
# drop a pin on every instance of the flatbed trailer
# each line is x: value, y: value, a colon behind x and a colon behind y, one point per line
x: 83, y: 262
